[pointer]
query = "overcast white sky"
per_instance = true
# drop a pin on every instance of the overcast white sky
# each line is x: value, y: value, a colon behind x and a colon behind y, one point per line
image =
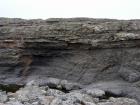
x: 119, y: 9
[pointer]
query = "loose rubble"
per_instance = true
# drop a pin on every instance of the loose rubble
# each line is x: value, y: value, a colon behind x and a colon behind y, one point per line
x: 33, y: 94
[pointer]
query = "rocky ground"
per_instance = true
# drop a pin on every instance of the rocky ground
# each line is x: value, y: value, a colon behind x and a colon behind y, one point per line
x: 78, y: 61
x: 33, y: 94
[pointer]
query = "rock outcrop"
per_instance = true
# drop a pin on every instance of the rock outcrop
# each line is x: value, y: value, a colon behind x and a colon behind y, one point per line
x: 81, y: 50
x: 32, y: 94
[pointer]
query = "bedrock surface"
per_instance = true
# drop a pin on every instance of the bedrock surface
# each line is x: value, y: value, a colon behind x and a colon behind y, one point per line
x: 80, y: 50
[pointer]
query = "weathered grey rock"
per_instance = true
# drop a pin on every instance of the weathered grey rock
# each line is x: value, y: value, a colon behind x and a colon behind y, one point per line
x: 79, y: 50
x: 77, y: 97
x: 67, y: 85
x: 54, y: 92
x: 129, y: 75
x: 119, y: 101
x: 89, y: 103
x: 14, y: 103
x: 53, y: 82
x: 2, y: 104
x: 3, y: 97
x: 94, y: 92
x: 32, y: 94
x: 118, y: 89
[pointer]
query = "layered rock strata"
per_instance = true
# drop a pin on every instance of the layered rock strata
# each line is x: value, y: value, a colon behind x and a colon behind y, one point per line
x: 80, y: 50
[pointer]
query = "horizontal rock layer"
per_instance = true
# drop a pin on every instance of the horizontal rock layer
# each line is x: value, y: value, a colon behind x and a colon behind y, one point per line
x: 81, y: 50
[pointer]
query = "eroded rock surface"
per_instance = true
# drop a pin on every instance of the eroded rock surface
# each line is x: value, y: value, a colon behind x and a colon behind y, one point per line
x: 83, y: 51
x: 32, y: 94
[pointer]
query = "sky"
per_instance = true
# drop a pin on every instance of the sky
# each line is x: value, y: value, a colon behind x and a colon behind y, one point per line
x: 43, y: 9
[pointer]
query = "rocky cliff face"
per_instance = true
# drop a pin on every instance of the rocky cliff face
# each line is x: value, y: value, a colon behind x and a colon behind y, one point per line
x: 81, y: 50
